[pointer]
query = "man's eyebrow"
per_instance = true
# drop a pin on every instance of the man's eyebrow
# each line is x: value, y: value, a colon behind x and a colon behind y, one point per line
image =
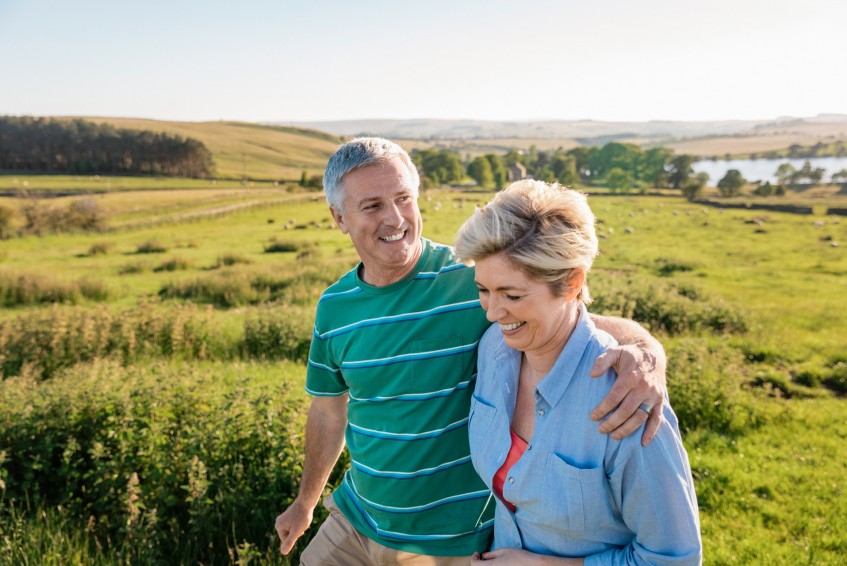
x: 379, y: 199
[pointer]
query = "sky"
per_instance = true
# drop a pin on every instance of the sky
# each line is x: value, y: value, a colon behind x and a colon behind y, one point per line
x: 284, y: 60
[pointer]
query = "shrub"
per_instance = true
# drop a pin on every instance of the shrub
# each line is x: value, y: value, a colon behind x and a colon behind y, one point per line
x: 34, y: 289
x: 664, y: 308
x: 283, y: 334
x: 173, y: 264
x: 41, y: 343
x: 276, y: 247
x: 151, y: 247
x: 226, y: 288
x: 230, y: 259
x: 705, y: 390
x: 6, y: 217
x: 134, y: 455
x: 79, y: 215
x: 100, y: 248
x: 132, y: 268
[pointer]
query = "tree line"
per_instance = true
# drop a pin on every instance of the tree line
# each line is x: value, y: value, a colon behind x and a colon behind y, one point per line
x: 622, y: 167
x: 48, y: 145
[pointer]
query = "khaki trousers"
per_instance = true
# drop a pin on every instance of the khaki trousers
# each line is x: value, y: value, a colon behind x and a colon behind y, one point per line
x: 339, y: 544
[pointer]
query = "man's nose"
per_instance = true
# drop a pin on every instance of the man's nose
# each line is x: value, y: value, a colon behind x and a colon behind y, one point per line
x: 393, y: 216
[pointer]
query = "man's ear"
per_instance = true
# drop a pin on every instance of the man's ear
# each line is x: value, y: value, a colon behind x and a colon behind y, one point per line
x: 575, y: 282
x: 339, y: 220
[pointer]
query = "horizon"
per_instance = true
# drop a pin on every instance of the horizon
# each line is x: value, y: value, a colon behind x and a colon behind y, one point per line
x: 610, y: 61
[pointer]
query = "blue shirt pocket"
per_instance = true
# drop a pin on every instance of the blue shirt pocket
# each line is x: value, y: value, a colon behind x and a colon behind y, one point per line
x: 577, y: 494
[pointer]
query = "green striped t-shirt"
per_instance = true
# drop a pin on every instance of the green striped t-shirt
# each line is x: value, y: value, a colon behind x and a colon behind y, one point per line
x: 406, y: 354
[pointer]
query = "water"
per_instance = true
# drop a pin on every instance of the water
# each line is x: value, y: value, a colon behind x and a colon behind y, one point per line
x: 764, y: 169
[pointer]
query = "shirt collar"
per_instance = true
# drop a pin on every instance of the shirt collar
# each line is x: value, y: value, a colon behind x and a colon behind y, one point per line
x: 552, y: 388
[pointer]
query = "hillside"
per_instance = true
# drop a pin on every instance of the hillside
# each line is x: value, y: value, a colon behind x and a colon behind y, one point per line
x: 241, y: 149
x: 704, y: 139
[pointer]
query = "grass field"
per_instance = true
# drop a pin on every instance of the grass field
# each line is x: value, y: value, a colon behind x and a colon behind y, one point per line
x: 156, y: 414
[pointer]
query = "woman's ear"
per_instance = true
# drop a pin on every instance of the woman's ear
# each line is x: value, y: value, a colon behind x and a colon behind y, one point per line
x: 575, y: 282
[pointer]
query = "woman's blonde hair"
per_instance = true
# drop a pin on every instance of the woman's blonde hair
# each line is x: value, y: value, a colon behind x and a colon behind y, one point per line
x: 545, y: 230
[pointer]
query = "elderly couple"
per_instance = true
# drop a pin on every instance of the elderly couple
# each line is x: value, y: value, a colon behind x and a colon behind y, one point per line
x: 458, y: 428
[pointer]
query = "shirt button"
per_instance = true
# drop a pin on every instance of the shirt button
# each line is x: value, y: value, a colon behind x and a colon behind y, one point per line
x: 541, y: 412
x: 529, y: 446
x: 512, y: 480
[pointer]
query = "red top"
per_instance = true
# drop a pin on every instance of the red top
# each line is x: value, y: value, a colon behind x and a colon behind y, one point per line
x: 515, y: 452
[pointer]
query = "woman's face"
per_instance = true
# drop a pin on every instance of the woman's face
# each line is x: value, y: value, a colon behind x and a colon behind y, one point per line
x: 531, y: 318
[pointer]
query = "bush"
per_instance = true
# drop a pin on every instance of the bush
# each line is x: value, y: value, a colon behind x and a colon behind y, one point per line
x: 151, y: 247
x: 132, y: 268
x: 664, y: 308
x: 100, y: 248
x: 283, y: 334
x: 134, y: 455
x: 79, y: 215
x: 228, y: 260
x: 276, y: 247
x: 39, y: 344
x: 226, y: 289
x: 6, y: 217
x: 705, y: 389
x: 173, y: 264
x: 34, y: 289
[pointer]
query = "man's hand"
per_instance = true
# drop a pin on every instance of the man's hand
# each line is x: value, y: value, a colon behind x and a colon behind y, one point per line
x: 641, y: 381
x: 292, y: 524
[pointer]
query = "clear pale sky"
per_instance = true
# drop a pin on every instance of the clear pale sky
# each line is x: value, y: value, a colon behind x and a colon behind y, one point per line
x: 261, y: 60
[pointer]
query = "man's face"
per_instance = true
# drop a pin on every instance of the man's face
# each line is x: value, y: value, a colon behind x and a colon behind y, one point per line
x: 381, y: 216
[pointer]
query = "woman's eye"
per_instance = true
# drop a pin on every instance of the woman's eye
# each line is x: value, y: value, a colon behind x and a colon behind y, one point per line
x: 512, y: 297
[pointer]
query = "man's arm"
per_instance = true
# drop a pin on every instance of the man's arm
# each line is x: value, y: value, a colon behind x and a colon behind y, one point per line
x: 324, y: 441
x: 640, y: 363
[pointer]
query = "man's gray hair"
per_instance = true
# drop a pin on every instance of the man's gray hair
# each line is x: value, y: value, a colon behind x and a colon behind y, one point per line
x: 358, y: 153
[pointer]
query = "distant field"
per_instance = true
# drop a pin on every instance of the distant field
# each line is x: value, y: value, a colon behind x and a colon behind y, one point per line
x: 242, y: 149
x: 475, y: 147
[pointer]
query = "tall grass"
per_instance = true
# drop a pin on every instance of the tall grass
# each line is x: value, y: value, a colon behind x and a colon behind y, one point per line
x: 28, y: 289
x: 167, y: 464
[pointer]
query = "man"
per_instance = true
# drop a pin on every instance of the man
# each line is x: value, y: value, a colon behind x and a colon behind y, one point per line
x: 392, y: 368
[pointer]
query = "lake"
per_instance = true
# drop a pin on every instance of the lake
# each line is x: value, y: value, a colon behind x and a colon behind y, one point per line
x: 764, y: 169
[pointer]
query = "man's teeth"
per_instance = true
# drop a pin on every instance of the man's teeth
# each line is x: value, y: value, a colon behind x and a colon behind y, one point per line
x: 394, y: 238
x: 508, y: 327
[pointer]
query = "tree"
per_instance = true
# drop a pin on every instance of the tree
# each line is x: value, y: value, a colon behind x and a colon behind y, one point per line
x: 304, y: 179
x: 498, y: 169
x: 764, y: 189
x: 680, y: 170
x: 839, y: 176
x: 693, y: 188
x: 652, y: 166
x: 623, y: 156
x: 480, y: 171
x: 619, y: 181
x: 6, y: 216
x: 582, y: 155
x: 439, y: 167
x: 785, y: 173
x: 730, y: 185
x: 564, y: 169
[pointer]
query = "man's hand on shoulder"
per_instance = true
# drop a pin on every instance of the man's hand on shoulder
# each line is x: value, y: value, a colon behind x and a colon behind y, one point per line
x: 640, y: 386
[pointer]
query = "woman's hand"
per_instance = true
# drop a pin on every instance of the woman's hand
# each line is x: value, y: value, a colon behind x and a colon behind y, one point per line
x: 518, y: 557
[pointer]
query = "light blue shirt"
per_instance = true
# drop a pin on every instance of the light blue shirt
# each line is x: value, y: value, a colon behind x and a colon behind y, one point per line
x: 580, y: 493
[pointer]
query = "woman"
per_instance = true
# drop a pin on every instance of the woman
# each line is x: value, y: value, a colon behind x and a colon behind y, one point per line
x: 565, y: 493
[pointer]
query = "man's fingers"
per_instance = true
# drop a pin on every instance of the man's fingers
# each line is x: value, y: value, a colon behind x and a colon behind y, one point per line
x: 288, y: 542
x: 613, y: 399
x: 653, y: 423
x: 603, y: 362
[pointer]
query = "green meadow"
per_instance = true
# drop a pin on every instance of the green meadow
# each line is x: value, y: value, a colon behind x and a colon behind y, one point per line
x: 152, y: 403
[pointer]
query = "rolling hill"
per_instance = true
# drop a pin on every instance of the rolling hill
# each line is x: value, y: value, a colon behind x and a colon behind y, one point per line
x: 241, y: 149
